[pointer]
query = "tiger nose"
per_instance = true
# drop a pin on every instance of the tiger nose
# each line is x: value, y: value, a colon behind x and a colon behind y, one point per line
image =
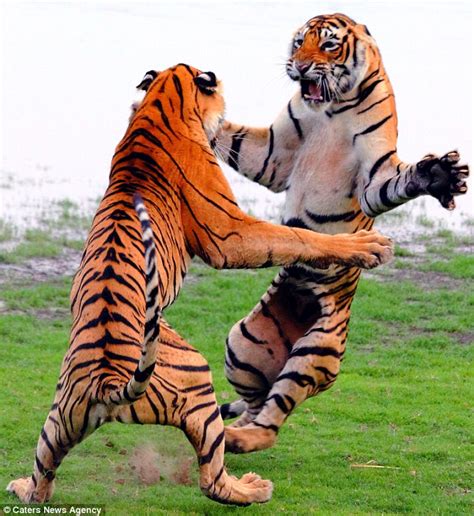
x: 303, y: 67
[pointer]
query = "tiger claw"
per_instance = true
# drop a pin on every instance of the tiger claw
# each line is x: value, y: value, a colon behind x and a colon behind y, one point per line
x: 442, y: 177
x: 450, y: 157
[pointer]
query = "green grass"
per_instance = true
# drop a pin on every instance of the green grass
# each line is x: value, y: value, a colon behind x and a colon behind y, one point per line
x: 424, y: 220
x: 63, y: 226
x: 402, y: 400
x: 7, y: 231
x: 39, y: 243
x: 461, y: 266
x: 402, y: 251
x: 67, y: 216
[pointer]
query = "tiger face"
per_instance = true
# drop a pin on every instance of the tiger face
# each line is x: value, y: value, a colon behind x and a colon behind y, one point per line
x: 199, y: 93
x: 329, y: 56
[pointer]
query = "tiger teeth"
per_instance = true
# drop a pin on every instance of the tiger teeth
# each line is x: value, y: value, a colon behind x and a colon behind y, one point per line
x: 309, y: 97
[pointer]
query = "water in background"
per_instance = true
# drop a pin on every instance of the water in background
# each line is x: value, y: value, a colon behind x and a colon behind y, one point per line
x: 69, y: 71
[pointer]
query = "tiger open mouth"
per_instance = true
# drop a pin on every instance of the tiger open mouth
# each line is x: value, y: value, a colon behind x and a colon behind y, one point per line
x: 315, y: 92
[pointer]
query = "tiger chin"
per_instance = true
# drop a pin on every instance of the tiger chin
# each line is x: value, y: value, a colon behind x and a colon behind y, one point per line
x: 167, y: 201
x: 333, y: 151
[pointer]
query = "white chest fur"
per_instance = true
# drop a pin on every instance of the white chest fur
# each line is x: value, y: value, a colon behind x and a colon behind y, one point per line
x: 325, y: 167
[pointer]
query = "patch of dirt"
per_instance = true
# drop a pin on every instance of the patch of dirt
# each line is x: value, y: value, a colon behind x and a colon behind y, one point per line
x: 45, y: 314
x: 37, y: 270
x: 144, y: 464
x: 465, y: 338
x: 150, y: 466
x: 431, y: 280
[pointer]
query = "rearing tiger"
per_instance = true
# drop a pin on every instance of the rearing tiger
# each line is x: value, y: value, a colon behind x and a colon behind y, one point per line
x: 124, y: 363
x: 333, y: 150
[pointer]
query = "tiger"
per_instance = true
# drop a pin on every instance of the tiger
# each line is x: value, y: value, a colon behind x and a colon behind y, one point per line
x: 333, y: 150
x: 167, y: 201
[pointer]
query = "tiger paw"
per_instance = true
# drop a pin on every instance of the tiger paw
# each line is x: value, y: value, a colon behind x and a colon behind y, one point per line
x: 248, y: 438
x: 365, y: 249
x: 22, y: 488
x: 227, y: 489
x: 441, y: 177
x: 27, y: 492
x: 251, y: 488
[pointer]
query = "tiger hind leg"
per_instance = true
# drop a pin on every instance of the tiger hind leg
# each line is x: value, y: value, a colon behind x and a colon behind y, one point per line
x: 190, y: 404
x: 258, y: 346
x: 312, y: 367
x: 251, y: 368
x: 205, y: 430
x: 54, y: 442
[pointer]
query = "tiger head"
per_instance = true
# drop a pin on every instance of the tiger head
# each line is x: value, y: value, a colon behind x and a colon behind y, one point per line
x: 198, y: 95
x: 329, y: 56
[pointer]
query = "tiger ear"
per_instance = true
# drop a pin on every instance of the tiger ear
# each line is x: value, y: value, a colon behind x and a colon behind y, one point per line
x: 150, y: 76
x: 206, y: 82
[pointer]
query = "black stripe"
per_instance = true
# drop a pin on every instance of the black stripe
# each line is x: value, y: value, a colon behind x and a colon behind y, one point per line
x: 360, y: 98
x: 380, y: 162
x: 371, y: 128
x: 45, y: 438
x: 315, y: 350
x: 267, y: 159
x: 384, y: 196
x: 237, y: 140
x: 296, y: 222
x: 278, y: 399
x: 197, y: 387
x: 249, y: 336
x: 179, y: 90
x: 295, y: 121
x: 141, y: 376
x: 158, y: 104
x: 374, y: 104
x: 374, y: 212
x: 205, y: 459
x: 320, y: 329
x: 208, y: 421
x: 47, y: 474
x: 135, y: 417
x: 302, y: 380
x: 200, y: 406
x: 274, y: 428
x: 326, y: 372
x: 354, y: 55
x: 237, y: 364
x: 203, y: 368
x: 226, y: 412
x: 323, y: 219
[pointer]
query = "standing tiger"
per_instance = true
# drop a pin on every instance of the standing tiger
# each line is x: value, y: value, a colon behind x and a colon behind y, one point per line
x: 333, y: 149
x: 124, y: 362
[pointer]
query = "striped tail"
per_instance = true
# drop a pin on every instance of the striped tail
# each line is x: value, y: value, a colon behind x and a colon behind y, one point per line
x: 138, y: 383
x: 233, y: 409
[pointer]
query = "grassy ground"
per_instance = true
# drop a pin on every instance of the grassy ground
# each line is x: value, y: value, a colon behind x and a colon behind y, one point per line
x: 64, y: 227
x: 402, y: 400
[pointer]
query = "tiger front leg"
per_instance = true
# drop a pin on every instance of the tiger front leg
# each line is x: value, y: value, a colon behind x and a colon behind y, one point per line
x: 253, y: 244
x: 388, y: 182
x: 441, y: 177
x: 264, y: 155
